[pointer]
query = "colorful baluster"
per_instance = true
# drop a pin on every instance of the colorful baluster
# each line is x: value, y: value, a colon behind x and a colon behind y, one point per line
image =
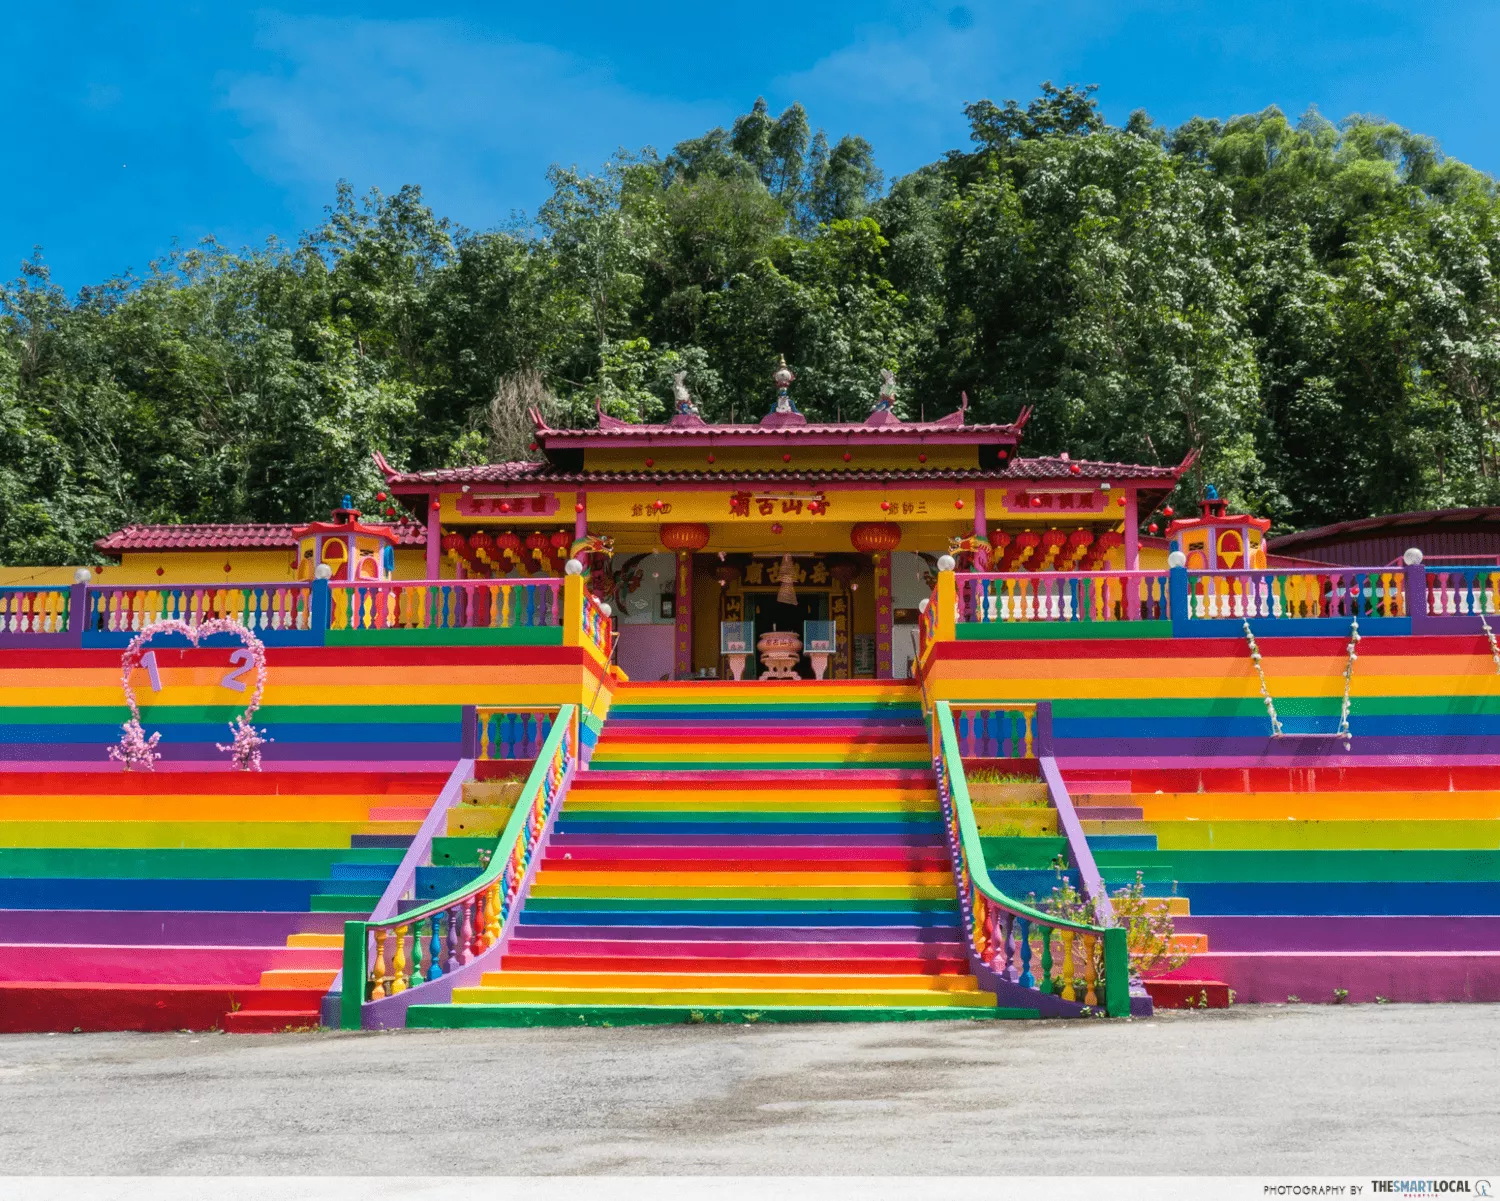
x: 1069, y: 993
x: 466, y: 933
x: 1025, y: 979
x: 1046, y: 934
x: 378, y: 970
x: 398, y: 962
x: 418, y: 945
x: 435, y: 948
x: 1090, y: 997
x: 492, y: 926
x: 454, y: 960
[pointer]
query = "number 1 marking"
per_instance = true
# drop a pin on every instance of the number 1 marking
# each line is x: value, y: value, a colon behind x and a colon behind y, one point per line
x: 148, y: 661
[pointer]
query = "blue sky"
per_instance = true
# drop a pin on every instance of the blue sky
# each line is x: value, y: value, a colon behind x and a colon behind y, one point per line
x: 129, y: 129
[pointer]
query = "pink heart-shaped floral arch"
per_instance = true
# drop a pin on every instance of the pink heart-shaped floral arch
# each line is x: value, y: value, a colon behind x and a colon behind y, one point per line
x: 135, y: 751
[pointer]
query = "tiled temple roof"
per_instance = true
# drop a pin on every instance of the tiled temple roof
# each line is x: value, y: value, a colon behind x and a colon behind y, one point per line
x: 1058, y: 469
x: 228, y: 535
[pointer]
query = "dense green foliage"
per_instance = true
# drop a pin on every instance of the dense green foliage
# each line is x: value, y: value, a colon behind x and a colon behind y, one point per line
x: 1313, y: 307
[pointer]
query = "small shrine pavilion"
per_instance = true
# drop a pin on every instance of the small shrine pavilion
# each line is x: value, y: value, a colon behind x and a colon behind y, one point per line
x: 688, y: 527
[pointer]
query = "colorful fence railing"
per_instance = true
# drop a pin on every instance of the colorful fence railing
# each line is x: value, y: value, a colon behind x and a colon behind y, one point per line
x: 126, y: 609
x: 996, y: 730
x: 1097, y: 596
x: 598, y: 629
x: 1338, y: 592
x: 1462, y: 591
x: 34, y: 610
x: 419, y: 955
x: 446, y: 605
x: 511, y: 731
x: 1066, y: 965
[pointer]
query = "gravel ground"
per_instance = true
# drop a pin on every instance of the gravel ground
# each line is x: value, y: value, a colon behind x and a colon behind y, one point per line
x: 1255, y: 1090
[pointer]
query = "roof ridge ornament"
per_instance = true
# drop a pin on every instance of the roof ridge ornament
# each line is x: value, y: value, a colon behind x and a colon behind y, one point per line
x: 686, y: 410
x: 786, y: 411
x: 885, y: 405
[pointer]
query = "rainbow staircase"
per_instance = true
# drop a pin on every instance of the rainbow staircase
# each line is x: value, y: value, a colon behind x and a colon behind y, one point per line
x: 1332, y: 882
x: 741, y: 852
x: 189, y: 899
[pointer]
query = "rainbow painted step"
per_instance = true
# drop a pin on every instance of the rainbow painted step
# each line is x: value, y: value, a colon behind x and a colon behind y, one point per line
x: 187, y: 899
x: 1325, y: 882
x: 741, y: 853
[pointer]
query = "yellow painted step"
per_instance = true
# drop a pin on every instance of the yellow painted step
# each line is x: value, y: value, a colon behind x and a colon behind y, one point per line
x: 711, y: 997
x: 314, y: 940
x: 1021, y: 821
x: 1010, y: 794
x: 832, y: 752
x: 492, y: 792
x: 1172, y: 906
x: 288, y: 977
x: 712, y: 802
x: 467, y: 821
x: 1314, y: 806
x: 1190, y: 944
x: 908, y: 981
x: 196, y: 808
x: 559, y: 873
x: 746, y: 892
x: 183, y: 835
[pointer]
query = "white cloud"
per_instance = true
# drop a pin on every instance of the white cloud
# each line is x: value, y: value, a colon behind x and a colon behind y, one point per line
x: 476, y: 119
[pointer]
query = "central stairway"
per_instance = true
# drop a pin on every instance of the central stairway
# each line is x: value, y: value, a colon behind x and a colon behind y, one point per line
x: 741, y: 852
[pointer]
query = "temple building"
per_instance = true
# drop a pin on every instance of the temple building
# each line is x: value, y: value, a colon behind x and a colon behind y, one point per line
x: 689, y: 528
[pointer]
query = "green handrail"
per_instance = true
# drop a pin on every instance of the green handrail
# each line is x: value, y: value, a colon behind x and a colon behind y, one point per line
x: 356, y: 933
x: 971, y: 851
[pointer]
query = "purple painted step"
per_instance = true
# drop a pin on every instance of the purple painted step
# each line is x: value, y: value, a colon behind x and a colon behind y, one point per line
x: 1298, y: 934
x: 163, y: 927
x: 1109, y: 813
x: 562, y: 841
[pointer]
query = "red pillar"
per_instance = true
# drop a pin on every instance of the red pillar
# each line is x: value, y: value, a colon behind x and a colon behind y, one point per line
x: 883, y: 658
x: 1132, y: 532
x: 684, y: 612
x: 434, y: 538
x: 981, y: 530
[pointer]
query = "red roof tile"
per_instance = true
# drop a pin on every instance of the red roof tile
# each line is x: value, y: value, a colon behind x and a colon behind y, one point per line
x: 225, y: 536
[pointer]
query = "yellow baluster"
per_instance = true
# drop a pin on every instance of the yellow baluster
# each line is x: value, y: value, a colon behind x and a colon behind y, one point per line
x: 398, y: 962
x: 492, y: 924
x: 1069, y: 993
x: 378, y: 971
x: 1090, y: 997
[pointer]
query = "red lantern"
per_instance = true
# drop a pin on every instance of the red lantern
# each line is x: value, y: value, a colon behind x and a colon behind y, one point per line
x: 959, y: 503
x: 1120, y: 500
x: 380, y: 496
x: 1036, y: 502
x: 871, y: 537
x: 684, y: 535
x: 1003, y: 454
x: 508, y: 548
x: 578, y: 508
x: 776, y: 528
x: 922, y: 458
x: 161, y: 571
x: 710, y: 456
x: 1074, y: 469
x: 885, y: 506
x: 786, y: 458
x: 847, y: 456
x: 1168, y: 511
x: 454, y: 545
x: 1152, y: 527
x: 483, y: 546
x: 650, y: 462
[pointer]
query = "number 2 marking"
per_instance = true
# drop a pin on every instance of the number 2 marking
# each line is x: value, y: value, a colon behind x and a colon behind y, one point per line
x: 148, y: 661
x: 232, y: 681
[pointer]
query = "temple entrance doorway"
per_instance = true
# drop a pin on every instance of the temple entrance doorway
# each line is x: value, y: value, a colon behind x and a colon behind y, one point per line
x: 769, y: 614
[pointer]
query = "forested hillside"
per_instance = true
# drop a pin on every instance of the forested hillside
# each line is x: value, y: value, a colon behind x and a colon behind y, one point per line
x: 1313, y: 306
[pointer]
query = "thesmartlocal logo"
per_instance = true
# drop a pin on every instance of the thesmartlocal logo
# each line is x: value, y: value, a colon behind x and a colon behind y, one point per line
x: 1432, y: 1188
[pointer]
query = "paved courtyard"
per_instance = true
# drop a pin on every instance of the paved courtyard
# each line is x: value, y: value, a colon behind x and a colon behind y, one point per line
x: 1254, y: 1090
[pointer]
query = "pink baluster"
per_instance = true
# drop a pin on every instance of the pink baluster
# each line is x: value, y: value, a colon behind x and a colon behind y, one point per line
x: 466, y: 932
x: 452, y: 934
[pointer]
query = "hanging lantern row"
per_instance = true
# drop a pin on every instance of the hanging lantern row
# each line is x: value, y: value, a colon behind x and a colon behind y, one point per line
x: 539, y: 554
x: 873, y: 537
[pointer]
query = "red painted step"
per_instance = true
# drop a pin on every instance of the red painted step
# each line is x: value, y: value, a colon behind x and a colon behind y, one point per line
x: 851, y: 778
x: 747, y: 858
x: 270, y: 1021
x: 31, y: 1007
x: 1188, y: 994
x: 795, y: 961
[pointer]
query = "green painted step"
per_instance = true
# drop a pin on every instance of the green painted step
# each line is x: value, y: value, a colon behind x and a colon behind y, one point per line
x: 457, y: 851
x: 197, y: 863
x: 1307, y: 866
x: 1023, y: 853
x: 469, y: 1016
x: 340, y: 903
